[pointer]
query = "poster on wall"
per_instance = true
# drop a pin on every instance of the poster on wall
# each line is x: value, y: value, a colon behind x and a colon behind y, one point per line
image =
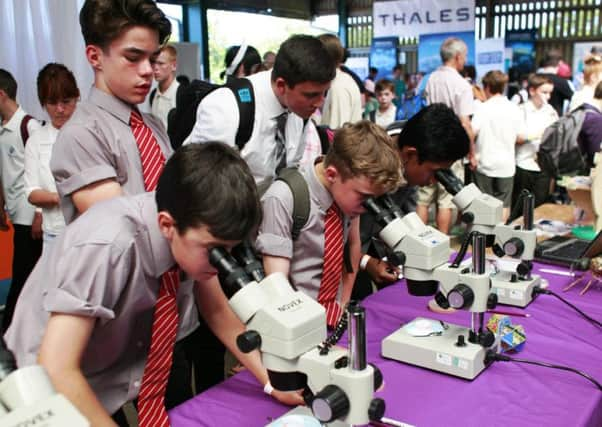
x: 522, y: 44
x: 429, y: 45
x: 411, y: 18
x: 383, y: 55
x: 489, y: 56
x: 359, y: 65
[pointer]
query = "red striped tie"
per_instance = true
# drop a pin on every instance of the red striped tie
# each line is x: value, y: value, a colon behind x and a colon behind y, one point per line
x: 151, y: 156
x: 333, y: 265
x: 151, y: 400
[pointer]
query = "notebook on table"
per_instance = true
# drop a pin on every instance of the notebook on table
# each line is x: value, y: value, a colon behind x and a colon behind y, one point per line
x: 568, y: 251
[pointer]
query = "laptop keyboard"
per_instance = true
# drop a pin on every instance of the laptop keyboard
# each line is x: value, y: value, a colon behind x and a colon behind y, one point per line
x: 572, y: 250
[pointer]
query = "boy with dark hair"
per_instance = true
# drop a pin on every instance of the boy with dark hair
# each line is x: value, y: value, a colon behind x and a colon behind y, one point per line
x: 97, y: 155
x: 385, y: 94
x: 15, y: 129
x: 87, y: 312
x: 284, y: 98
x: 432, y: 139
x: 361, y: 163
x: 538, y: 116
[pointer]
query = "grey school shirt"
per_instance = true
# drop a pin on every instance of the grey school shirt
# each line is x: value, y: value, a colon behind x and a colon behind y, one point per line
x: 107, y: 264
x: 306, y: 254
x: 97, y: 143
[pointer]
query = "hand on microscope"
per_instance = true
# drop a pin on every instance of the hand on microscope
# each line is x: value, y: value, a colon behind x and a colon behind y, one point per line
x: 382, y: 272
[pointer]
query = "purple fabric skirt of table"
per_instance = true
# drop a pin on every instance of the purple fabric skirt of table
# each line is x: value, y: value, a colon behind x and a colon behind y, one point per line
x: 506, y: 394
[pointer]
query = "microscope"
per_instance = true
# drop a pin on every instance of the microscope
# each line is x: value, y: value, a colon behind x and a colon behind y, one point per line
x: 483, y: 213
x: 429, y: 343
x: 28, y: 398
x: 289, y: 329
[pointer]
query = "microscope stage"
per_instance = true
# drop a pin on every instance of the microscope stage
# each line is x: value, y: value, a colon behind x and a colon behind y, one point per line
x: 517, y: 294
x: 437, y: 352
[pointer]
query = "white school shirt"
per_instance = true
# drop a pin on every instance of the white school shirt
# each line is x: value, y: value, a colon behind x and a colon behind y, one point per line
x: 39, y: 177
x: 12, y: 168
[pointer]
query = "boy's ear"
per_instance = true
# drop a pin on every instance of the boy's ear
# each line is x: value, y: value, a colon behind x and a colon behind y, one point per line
x: 280, y: 86
x: 167, y: 224
x: 331, y: 173
x: 408, y: 152
x: 94, y: 55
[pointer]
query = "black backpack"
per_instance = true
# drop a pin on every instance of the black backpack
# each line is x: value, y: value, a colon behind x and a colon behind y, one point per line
x: 181, y: 119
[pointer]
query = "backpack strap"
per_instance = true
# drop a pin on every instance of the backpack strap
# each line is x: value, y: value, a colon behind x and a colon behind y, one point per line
x: 373, y: 116
x: 245, y: 98
x: 293, y: 178
x: 326, y: 136
x: 24, y: 130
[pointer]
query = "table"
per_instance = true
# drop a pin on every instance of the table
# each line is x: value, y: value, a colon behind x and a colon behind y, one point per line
x: 505, y: 394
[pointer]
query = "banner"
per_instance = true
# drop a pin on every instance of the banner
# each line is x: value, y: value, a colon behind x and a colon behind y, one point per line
x: 522, y: 43
x: 410, y: 18
x: 490, y: 55
x: 383, y: 55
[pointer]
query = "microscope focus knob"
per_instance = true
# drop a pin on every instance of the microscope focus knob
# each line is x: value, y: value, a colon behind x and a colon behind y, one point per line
x: 514, y: 247
x: 248, y: 341
x: 467, y: 217
x: 461, y: 296
x: 491, y: 301
x: 376, y: 410
x: 378, y: 376
x: 330, y: 403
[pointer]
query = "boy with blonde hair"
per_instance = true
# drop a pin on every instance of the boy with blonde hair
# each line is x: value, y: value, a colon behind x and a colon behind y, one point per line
x: 362, y: 162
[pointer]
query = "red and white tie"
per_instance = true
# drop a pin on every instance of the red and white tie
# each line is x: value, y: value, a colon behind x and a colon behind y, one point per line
x: 151, y: 400
x: 151, y: 156
x: 333, y: 265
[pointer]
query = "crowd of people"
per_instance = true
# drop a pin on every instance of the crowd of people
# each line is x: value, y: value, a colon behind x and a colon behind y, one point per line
x: 112, y: 288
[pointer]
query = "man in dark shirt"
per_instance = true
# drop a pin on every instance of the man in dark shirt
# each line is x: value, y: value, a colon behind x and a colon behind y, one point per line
x: 562, y: 89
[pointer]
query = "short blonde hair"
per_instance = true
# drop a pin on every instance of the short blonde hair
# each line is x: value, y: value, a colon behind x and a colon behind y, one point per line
x: 365, y: 149
x: 592, y: 66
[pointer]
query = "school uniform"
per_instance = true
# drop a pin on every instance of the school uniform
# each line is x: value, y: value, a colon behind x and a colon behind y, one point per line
x: 218, y: 119
x: 26, y: 250
x: 107, y: 265
x: 97, y: 143
x: 306, y: 254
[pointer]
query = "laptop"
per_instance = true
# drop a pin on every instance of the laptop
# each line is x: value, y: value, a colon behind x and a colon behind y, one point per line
x: 568, y: 251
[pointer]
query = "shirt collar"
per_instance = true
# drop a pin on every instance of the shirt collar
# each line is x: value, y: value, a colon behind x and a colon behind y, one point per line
x: 14, y: 124
x: 163, y: 259
x: 263, y: 82
x: 111, y: 104
x: 318, y: 191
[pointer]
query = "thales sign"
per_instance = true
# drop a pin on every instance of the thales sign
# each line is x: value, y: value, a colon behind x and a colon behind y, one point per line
x: 410, y: 18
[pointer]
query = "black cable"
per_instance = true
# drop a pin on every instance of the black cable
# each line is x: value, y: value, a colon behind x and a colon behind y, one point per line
x: 539, y: 290
x: 336, y: 335
x: 503, y: 358
x: 463, y: 248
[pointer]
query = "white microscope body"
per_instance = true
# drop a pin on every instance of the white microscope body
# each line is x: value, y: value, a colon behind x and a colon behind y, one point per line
x: 483, y: 213
x: 425, y: 252
x: 289, y: 329
x: 28, y: 398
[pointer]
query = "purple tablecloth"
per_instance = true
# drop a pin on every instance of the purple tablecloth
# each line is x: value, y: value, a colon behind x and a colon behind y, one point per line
x: 506, y: 394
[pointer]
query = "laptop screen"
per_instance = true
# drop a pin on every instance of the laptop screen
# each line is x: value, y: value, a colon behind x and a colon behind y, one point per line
x: 595, y: 247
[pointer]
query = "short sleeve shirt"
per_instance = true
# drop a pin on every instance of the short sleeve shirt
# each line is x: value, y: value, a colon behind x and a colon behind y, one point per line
x: 306, y: 254
x: 97, y: 143
x: 12, y: 168
x: 107, y: 264
x: 447, y: 86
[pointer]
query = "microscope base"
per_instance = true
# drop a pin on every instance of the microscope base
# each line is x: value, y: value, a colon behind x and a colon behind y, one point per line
x: 517, y: 294
x: 303, y: 416
x: 437, y: 352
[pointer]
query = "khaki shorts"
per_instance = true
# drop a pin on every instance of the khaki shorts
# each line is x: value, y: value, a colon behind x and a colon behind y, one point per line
x: 435, y: 192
